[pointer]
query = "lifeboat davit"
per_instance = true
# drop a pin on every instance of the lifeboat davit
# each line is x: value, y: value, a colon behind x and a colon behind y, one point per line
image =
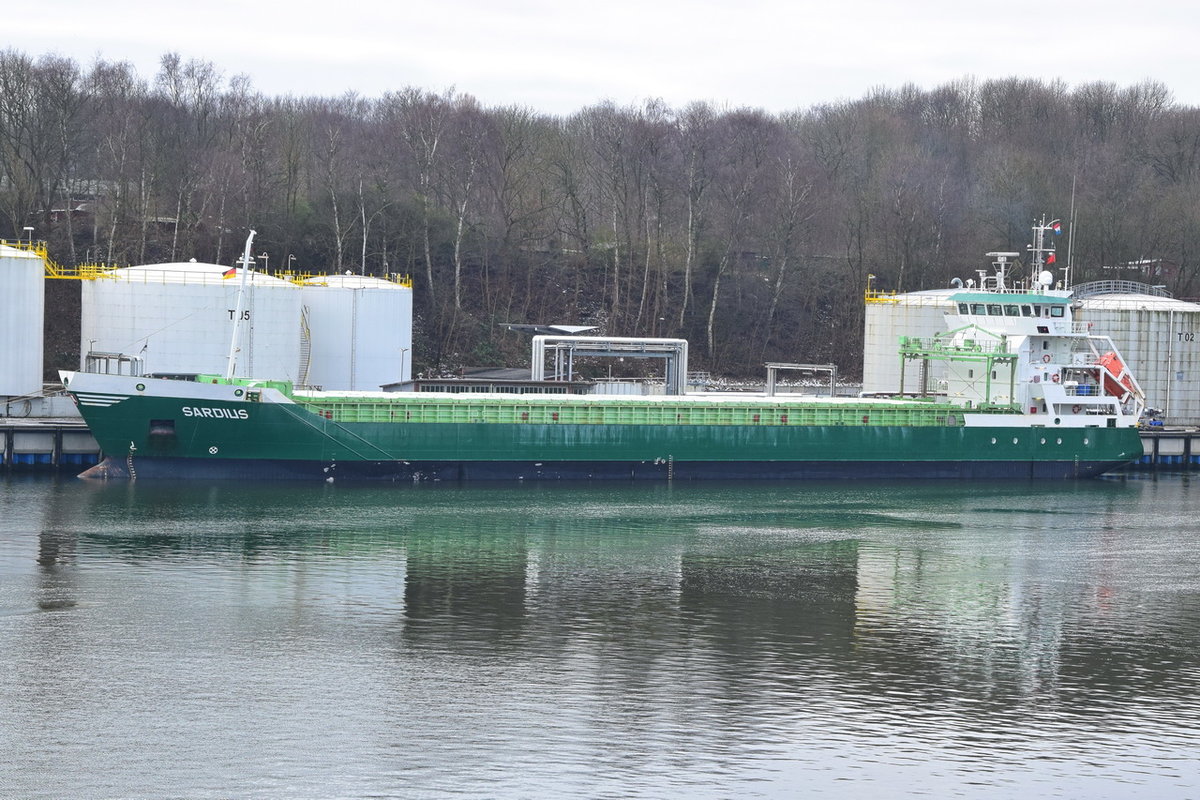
x: 1117, y: 380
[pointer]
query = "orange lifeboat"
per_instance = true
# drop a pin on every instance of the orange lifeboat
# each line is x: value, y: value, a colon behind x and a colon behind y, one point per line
x: 1117, y: 380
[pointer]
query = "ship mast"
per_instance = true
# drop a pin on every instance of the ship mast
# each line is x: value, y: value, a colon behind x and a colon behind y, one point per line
x: 237, y: 314
x: 1043, y: 255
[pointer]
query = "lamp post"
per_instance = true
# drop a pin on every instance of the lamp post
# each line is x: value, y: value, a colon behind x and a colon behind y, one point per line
x: 266, y: 259
x: 403, y: 350
x: 869, y: 279
x: 28, y: 233
x: 291, y: 260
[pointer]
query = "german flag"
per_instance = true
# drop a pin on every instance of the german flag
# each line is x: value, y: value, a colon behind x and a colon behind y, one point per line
x: 229, y: 273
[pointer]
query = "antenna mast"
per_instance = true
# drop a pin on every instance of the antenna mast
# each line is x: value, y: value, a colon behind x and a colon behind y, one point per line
x: 237, y: 314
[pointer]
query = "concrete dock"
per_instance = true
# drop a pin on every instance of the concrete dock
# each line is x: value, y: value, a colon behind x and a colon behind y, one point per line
x: 1170, y: 448
x: 46, y: 444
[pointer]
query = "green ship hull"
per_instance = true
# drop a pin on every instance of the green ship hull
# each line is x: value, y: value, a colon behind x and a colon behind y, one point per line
x: 240, y: 429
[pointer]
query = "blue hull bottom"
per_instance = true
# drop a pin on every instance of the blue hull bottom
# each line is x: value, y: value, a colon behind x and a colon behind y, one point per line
x: 415, y: 472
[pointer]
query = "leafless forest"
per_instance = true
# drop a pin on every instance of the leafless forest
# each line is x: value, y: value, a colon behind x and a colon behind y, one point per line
x: 750, y: 234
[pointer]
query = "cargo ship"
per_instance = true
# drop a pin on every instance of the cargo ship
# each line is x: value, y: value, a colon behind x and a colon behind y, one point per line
x: 1029, y: 393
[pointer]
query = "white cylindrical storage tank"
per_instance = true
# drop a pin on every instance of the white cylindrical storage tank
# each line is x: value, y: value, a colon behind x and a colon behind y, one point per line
x: 359, y: 332
x: 1158, y: 338
x: 22, y: 304
x: 886, y: 320
x: 179, y: 319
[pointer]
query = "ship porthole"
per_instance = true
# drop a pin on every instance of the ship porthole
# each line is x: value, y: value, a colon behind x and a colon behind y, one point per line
x: 141, y: 387
x: 237, y: 392
x: 1014, y: 440
x: 1043, y: 441
x: 993, y: 440
x: 1057, y: 421
x: 1058, y: 441
x: 1085, y: 440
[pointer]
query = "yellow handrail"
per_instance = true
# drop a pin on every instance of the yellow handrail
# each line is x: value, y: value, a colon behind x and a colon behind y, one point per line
x: 37, y: 248
x: 875, y: 296
x: 310, y: 277
x: 90, y: 272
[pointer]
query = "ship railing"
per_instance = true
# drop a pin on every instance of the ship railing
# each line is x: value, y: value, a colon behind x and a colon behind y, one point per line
x: 1074, y: 389
x: 940, y: 346
x: 114, y: 364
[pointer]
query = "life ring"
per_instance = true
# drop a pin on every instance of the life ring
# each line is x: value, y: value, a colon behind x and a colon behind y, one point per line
x: 1055, y: 377
x: 1076, y: 409
x: 1046, y: 358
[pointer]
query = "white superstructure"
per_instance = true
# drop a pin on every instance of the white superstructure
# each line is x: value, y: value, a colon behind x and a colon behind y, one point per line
x: 1017, y: 345
x: 1157, y: 335
x: 1024, y: 349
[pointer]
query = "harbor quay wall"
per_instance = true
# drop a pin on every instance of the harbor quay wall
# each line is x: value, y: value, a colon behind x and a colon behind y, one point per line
x: 46, y: 445
x: 43, y: 445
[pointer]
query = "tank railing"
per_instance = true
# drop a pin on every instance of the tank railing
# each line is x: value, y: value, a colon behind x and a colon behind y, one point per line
x: 80, y: 272
x: 1119, y: 287
x: 37, y: 248
x: 55, y: 270
x: 92, y: 271
x: 311, y: 278
x: 165, y: 276
x: 876, y: 296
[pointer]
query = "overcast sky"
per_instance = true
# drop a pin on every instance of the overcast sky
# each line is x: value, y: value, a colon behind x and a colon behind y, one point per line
x: 559, y: 56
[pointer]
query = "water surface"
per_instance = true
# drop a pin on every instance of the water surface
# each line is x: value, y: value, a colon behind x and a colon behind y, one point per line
x: 700, y: 640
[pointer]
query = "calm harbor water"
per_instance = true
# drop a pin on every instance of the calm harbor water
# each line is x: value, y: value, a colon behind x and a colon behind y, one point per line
x: 690, y: 640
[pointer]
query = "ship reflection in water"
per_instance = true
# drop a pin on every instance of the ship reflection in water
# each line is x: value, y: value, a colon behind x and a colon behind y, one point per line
x: 843, y: 640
